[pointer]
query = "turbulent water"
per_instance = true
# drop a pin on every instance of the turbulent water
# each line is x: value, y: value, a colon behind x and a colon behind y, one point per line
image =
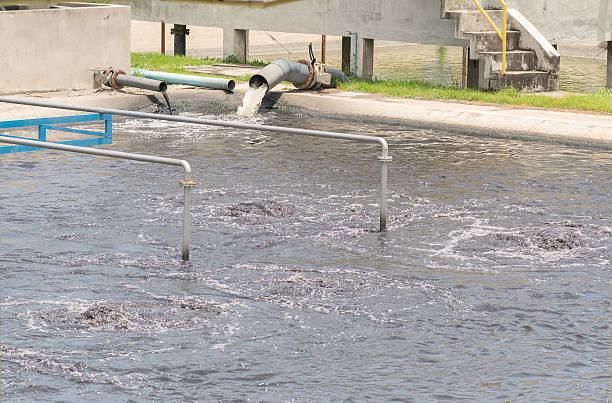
x: 252, y: 101
x: 492, y: 283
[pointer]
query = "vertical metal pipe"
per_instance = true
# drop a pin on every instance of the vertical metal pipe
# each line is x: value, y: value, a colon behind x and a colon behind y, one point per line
x: 383, y: 191
x: 186, y: 223
x: 163, y: 38
x: 323, y: 48
x: 505, y: 38
x: 187, y: 184
x: 180, y: 33
x: 464, y: 67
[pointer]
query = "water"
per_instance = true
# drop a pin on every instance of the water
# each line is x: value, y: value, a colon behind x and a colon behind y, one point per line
x: 252, y: 101
x: 492, y: 283
x: 441, y: 65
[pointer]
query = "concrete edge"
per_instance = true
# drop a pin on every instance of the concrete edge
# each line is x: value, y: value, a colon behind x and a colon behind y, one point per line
x: 493, y: 121
x: 585, y: 130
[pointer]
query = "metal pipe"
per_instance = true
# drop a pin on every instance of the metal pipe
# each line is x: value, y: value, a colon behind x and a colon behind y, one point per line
x: 278, y: 71
x: 383, y: 191
x: 323, y: 49
x: 124, y: 80
x: 221, y: 123
x: 187, y: 183
x: 236, y: 125
x: 197, y: 81
x: 298, y: 74
x: 163, y: 38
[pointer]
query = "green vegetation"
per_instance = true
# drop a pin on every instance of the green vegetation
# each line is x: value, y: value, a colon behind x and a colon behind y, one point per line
x: 176, y: 64
x: 598, y: 102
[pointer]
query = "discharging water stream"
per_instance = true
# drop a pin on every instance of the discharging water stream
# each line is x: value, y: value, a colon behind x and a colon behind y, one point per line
x: 492, y: 283
x: 252, y: 101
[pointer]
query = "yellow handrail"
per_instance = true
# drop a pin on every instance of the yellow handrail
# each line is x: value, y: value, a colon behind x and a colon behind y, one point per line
x: 502, y: 35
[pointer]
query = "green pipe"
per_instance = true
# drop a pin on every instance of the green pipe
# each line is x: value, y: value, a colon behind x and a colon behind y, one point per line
x: 197, y: 81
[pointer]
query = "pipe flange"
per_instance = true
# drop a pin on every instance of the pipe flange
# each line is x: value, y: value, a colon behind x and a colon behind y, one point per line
x: 311, y: 75
x: 113, y: 77
x: 188, y: 183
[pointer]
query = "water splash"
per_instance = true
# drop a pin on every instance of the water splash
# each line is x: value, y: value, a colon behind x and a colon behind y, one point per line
x: 252, y: 101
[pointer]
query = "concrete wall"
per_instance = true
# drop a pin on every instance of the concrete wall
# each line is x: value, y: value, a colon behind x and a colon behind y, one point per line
x: 561, y: 21
x: 399, y: 20
x: 53, y: 49
x: 567, y: 21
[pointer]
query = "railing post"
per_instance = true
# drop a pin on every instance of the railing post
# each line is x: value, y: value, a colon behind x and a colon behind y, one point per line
x: 187, y: 184
x: 505, y: 38
x: 42, y: 133
x: 108, y: 125
x: 383, y: 191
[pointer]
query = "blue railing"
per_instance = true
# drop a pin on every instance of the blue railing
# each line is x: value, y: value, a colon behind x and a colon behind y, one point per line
x: 94, y: 138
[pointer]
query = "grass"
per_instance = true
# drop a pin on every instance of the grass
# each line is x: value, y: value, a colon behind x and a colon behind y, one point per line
x: 598, y: 102
x: 176, y: 64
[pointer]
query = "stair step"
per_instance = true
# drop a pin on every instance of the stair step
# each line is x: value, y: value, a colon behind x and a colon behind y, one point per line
x: 529, y: 81
x: 516, y: 60
x: 474, y: 21
x: 484, y: 41
x: 458, y: 5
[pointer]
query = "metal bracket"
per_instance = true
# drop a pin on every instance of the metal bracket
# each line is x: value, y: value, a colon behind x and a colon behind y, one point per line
x: 388, y: 158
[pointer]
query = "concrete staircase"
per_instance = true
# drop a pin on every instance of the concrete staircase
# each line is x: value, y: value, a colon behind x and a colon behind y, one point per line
x: 532, y: 62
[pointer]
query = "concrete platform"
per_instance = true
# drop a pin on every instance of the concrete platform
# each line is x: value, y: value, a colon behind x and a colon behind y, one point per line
x: 582, y: 129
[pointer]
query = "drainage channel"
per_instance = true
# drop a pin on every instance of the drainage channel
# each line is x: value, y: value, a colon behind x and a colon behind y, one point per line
x: 384, y: 157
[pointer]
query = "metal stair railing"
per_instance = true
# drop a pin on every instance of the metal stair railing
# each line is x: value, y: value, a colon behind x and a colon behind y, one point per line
x: 503, y: 35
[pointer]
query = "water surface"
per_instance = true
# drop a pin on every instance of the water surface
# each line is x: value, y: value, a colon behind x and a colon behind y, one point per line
x: 492, y: 283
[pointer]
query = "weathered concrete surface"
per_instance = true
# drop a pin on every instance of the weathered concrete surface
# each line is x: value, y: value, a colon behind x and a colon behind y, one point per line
x: 418, y: 21
x: 53, y: 49
x: 497, y: 120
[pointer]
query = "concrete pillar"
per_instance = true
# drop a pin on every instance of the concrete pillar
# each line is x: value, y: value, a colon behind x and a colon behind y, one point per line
x: 180, y: 33
x: 473, y: 78
x: 365, y: 58
x: 609, y: 73
x: 473, y: 72
x: 346, y: 54
x: 236, y: 43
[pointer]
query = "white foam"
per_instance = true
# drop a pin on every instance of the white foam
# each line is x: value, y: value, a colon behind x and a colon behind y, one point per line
x: 252, y: 101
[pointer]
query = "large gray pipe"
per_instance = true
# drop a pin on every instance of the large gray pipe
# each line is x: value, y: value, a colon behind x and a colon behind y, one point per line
x: 281, y: 70
x: 294, y: 72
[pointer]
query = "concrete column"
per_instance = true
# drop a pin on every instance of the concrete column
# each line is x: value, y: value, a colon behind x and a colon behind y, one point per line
x: 180, y: 33
x: 473, y: 78
x: 346, y: 53
x: 473, y: 72
x: 609, y: 72
x: 365, y: 58
x: 236, y: 43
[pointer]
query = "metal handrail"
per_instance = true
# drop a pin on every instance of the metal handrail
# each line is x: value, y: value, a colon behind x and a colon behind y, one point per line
x: 187, y: 184
x: 502, y: 35
x: 384, y: 158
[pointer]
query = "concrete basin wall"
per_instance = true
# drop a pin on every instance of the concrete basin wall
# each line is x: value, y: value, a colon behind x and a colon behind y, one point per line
x: 55, y: 48
x: 418, y: 21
